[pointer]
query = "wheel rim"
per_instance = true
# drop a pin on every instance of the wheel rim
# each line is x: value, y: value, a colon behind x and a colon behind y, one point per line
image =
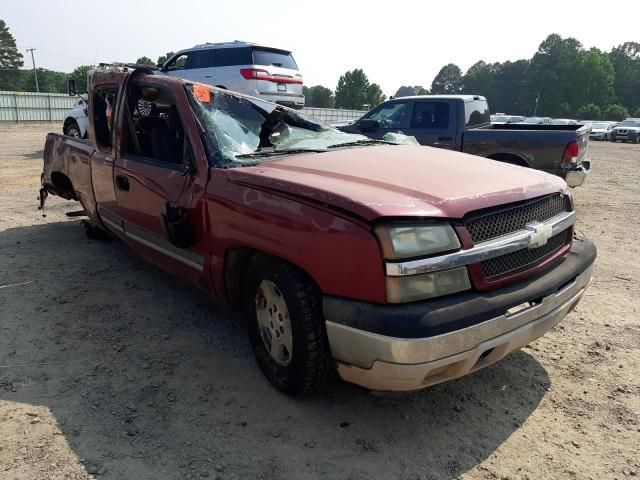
x: 274, y: 323
x: 73, y: 132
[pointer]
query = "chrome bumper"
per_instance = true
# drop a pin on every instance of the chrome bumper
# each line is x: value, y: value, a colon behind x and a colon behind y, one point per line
x: 575, y: 178
x: 386, y: 363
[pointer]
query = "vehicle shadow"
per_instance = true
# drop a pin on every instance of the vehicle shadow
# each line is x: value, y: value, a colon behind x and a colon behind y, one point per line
x: 147, y: 378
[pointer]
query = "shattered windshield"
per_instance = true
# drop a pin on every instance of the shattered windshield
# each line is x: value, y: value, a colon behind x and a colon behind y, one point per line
x: 241, y: 131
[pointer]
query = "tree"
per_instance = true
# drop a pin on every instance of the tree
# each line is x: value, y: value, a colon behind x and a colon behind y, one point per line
x: 592, y: 80
x: 590, y: 111
x: 80, y: 76
x: 481, y: 79
x: 552, y: 75
x: 318, y: 96
x: 512, y: 92
x: 374, y: 95
x: 448, y: 80
x: 145, y: 61
x: 636, y: 114
x: 165, y: 57
x: 615, y: 112
x: 10, y: 58
x: 409, y: 91
x: 626, y: 64
x: 352, y: 90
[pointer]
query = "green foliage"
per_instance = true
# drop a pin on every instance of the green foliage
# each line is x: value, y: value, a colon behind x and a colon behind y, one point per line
x: 374, y: 95
x: 564, y: 76
x: 615, y: 112
x: 352, y: 90
x: 408, y: 91
x: 626, y: 64
x: 10, y: 58
x: 318, y: 96
x: 590, y: 111
x: 448, y: 80
x: 145, y: 61
x: 165, y: 57
x: 636, y: 114
x: 80, y: 76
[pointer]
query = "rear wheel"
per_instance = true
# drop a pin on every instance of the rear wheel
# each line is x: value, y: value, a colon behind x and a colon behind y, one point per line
x: 72, y: 130
x: 286, y: 327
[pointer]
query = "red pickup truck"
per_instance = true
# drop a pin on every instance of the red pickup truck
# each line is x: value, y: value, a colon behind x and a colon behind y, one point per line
x: 399, y: 266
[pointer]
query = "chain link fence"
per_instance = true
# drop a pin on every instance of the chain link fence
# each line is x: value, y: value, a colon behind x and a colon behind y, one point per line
x: 51, y: 107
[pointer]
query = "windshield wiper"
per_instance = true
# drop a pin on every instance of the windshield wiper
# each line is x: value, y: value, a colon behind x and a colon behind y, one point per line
x: 270, y: 153
x: 361, y: 142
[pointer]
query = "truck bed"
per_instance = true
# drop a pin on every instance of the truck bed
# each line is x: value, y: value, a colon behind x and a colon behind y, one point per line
x: 67, y: 168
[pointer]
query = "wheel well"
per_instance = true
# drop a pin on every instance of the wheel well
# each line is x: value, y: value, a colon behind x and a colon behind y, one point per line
x: 236, y: 266
x: 509, y: 158
x: 63, y: 185
x: 69, y: 120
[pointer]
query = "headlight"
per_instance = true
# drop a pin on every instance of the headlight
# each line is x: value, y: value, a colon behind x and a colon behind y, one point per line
x: 414, y: 241
x: 419, y: 287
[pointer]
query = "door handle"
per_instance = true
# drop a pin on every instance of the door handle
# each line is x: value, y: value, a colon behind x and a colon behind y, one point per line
x: 122, y: 183
x: 445, y: 139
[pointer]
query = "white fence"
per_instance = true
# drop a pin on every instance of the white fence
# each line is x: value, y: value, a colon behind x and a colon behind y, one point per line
x: 333, y: 114
x: 50, y: 107
x: 34, y: 107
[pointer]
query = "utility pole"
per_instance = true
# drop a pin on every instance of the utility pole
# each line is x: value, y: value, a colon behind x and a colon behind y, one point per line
x: 35, y: 72
x: 536, y: 109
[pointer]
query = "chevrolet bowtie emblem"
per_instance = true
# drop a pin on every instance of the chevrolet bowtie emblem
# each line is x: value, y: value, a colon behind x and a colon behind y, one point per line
x: 540, y: 234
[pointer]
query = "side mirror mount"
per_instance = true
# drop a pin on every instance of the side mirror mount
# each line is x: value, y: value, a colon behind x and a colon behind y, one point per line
x: 368, y: 125
x: 71, y: 87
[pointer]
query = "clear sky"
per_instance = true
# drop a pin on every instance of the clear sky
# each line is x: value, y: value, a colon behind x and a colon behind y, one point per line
x: 398, y: 42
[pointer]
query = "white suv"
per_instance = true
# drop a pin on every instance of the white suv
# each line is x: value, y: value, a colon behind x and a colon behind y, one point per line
x: 268, y: 73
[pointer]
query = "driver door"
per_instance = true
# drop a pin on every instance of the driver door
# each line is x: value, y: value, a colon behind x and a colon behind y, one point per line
x: 157, y: 168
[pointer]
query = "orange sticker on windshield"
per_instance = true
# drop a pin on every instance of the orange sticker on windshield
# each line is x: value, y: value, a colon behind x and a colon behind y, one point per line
x: 202, y: 93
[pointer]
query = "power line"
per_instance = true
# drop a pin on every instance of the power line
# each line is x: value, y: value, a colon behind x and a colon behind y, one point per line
x: 63, y: 55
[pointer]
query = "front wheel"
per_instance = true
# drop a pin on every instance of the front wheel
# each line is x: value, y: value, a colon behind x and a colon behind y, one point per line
x: 72, y: 130
x: 286, y: 327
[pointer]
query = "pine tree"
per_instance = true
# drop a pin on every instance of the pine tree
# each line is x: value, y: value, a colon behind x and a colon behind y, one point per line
x: 10, y: 58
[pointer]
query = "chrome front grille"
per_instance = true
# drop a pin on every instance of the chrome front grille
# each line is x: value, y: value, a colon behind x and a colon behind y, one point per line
x: 505, y: 220
x: 510, y: 262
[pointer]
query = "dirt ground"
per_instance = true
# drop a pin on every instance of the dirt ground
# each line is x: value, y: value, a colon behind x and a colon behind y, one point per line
x: 111, y: 368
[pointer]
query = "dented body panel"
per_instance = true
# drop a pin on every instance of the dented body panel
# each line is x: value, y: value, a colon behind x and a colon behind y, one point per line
x: 321, y: 211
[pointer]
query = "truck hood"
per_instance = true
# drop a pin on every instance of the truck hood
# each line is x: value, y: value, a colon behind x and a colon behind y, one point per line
x: 398, y: 181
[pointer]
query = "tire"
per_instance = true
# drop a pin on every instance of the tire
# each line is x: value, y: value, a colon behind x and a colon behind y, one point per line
x: 72, y: 130
x: 282, y: 301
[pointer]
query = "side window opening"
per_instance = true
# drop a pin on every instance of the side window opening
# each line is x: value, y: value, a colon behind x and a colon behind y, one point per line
x: 430, y: 116
x: 104, y: 102
x: 477, y: 113
x: 153, y: 128
x: 391, y: 115
x: 178, y: 63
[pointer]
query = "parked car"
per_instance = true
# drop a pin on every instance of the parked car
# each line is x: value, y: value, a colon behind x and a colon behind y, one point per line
x: 264, y: 72
x: 75, y: 120
x: 627, y: 131
x: 504, y: 119
x: 563, y: 121
x: 399, y: 265
x: 601, y: 130
x: 537, y: 121
x: 461, y: 122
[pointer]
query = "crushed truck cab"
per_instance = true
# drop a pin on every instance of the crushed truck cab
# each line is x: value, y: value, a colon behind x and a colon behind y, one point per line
x: 396, y: 265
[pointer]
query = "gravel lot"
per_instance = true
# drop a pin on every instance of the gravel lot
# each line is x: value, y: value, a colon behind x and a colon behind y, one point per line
x: 111, y: 368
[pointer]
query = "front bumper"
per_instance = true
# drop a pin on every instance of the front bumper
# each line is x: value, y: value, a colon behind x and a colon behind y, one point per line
x: 575, y: 178
x: 385, y: 362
